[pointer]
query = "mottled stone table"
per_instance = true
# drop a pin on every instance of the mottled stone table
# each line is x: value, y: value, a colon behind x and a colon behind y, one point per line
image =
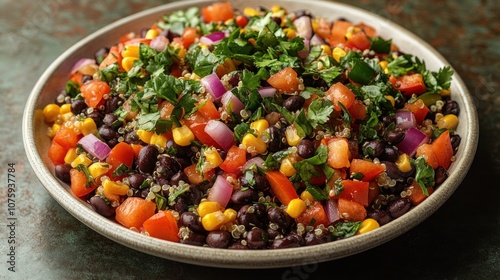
x: 460, y: 241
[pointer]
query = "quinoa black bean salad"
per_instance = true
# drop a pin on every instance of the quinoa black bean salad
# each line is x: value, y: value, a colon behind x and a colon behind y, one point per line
x: 253, y: 129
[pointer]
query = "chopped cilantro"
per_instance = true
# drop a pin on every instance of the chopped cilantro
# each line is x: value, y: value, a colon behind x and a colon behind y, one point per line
x: 424, y: 174
x: 345, y: 229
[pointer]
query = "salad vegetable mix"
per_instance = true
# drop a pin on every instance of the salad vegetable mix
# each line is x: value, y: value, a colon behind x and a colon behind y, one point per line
x: 256, y: 128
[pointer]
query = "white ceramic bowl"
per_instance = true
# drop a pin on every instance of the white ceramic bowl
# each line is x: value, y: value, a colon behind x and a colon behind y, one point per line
x: 54, y: 78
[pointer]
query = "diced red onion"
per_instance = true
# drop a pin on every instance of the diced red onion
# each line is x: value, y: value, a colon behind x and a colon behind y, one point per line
x: 159, y: 43
x: 405, y: 119
x: 302, y: 54
x: 412, y: 140
x: 221, y: 191
x: 316, y: 41
x: 86, y: 66
x: 332, y: 210
x: 255, y: 160
x: 95, y: 146
x: 304, y: 27
x: 229, y: 99
x: 220, y: 133
x: 212, y: 38
x: 267, y: 91
x: 213, y: 85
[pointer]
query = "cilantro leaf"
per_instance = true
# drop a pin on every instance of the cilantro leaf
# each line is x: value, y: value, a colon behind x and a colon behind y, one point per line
x: 319, y: 111
x: 345, y: 229
x: 201, y: 60
x: 424, y: 174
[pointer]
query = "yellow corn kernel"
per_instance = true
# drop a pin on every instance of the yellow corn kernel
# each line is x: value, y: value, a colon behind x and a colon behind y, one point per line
x: 180, y: 51
x: 326, y: 49
x: 391, y: 99
x: 259, y: 126
x: 367, y: 225
x: 128, y: 62
x: 305, y: 195
x: 230, y: 215
x: 97, y: 169
x: 449, y: 121
x: 275, y: 8
x: 286, y: 167
x: 337, y: 53
x: 351, y: 31
x: 207, y: 207
x: 296, y: 207
x: 254, y: 144
x: 144, y: 135
x: 66, y: 116
x: 226, y: 67
x: 249, y: 12
x: 50, y: 113
x: 212, y: 156
x: 383, y: 64
x: 152, y: 33
x: 88, y: 126
x: 70, y: 156
x: 65, y: 108
x: 444, y: 92
x: 130, y: 51
x: 53, y: 130
x: 183, y: 135
x: 315, y: 24
x: 403, y: 163
x: 290, y: 33
x: 214, y: 220
x: 291, y: 135
x: 117, y: 188
x: 159, y: 140
x: 81, y: 159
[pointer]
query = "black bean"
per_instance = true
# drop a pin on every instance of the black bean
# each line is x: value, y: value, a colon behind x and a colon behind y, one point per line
x: 455, y: 141
x: 390, y: 153
x: 305, y: 148
x: 277, y: 20
x: 86, y: 78
x: 318, y: 236
x: 249, y: 216
x: 111, y: 120
x: 388, y: 119
x: 392, y: 170
x: 100, y: 206
x: 218, y: 239
x: 101, y: 54
x: 289, y: 241
x: 177, y: 177
x: 275, y: 139
x: 440, y: 175
x: 136, y: 180
x: 394, y: 136
x: 181, y: 151
x: 62, y: 172
x: 257, y: 238
x: 399, y: 207
x: 195, y: 195
x: 107, y: 132
x: 273, y: 118
x: 381, y: 216
x: 191, y: 221
x: 78, y: 106
x: 166, y: 167
x: 234, y: 78
x: 258, y: 183
x: 279, y: 217
x: 237, y: 246
x: 294, y: 103
x: 146, y: 160
x: 96, y: 116
x: 244, y: 196
x: 144, y: 193
x: 373, y: 148
x: 132, y: 138
x: 451, y: 107
x: 400, y: 102
x: 273, y: 233
x: 194, y: 238
x: 112, y: 104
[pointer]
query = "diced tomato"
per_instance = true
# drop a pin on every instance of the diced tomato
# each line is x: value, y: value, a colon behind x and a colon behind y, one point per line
x: 208, y: 110
x: 355, y: 191
x: 137, y: 42
x: 339, y: 93
x: 79, y: 183
x: 369, y: 169
x: 194, y: 177
x: 281, y: 186
x: 166, y: 108
x: 77, y: 78
x: 324, y: 29
x: 198, y: 130
x: 314, y: 215
x: 127, y: 37
x: 241, y: 20
x: 162, y: 225
x: 338, y: 153
x: 234, y: 161
x: 417, y: 196
x: 373, y: 191
x: 443, y: 150
x: 285, y: 80
x: 351, y: 210
x: 113, y: 56
x: 94, y: 91
x: 217, y: 12
x: 137, y: 148
x: 189, y: 35
x: 134, y: 211
x: 121, y: 153
x: 419, y: 110
x: 338, y: 32
x: 427, y: 151
x: 409, y: 84
x: 358, y: 110
x: 359, y: 41
x: 66, y: 137
x: 175, y: 70
x: 369, y: 30
x: 57, y: 153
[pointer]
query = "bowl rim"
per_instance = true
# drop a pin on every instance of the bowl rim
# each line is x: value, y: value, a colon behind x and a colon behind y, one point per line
x: 246, y: 258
